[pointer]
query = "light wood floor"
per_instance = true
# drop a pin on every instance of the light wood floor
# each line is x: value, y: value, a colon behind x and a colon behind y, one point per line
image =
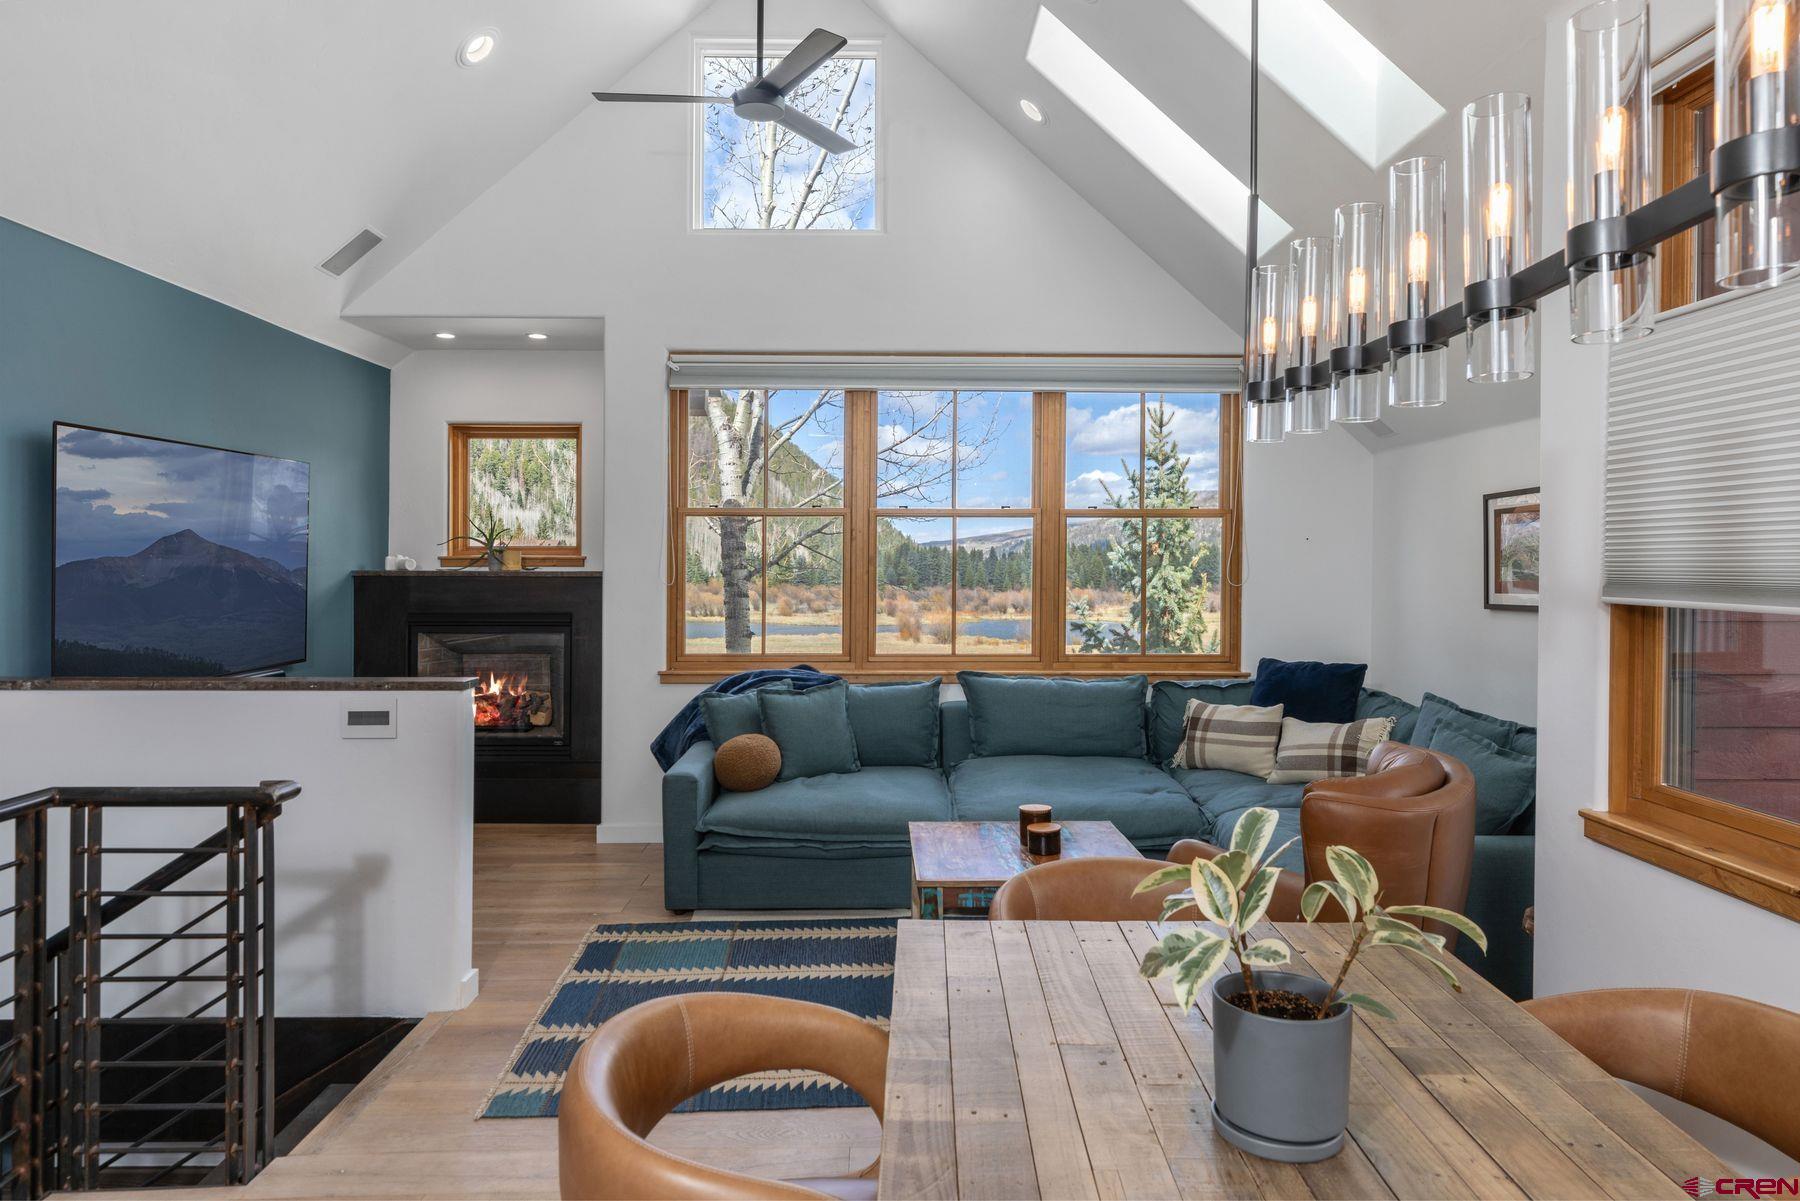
x: 410, y: 1130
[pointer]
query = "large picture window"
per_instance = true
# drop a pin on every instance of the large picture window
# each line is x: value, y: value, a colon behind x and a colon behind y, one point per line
x: 894, y: 532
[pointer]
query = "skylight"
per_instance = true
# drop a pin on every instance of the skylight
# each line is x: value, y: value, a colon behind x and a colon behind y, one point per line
x: 1133, y: 120
x: 1331, y: 71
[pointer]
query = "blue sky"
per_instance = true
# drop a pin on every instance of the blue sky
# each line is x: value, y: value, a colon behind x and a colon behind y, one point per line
x: 1102, y: 432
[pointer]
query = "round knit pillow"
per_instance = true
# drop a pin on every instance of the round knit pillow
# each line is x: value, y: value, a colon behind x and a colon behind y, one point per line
x: 747, y: 763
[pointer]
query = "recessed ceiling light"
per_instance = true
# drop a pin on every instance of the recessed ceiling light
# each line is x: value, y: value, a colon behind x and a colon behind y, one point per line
x: 446, y: 335
x: 1031, y: 110
x: 537, y: 337
x: 476, y: 48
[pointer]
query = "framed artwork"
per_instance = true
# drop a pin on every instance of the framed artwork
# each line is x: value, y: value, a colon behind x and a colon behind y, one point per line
x: 1509, y: 549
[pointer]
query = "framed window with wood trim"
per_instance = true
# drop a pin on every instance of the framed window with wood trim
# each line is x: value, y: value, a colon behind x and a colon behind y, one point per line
x: 1705, y: 749
x: 890, y: 533
x: 1685, y: 112
x: 526, y: 477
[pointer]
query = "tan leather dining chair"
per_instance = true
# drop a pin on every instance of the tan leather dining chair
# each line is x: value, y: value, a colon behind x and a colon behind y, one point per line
x: 1081, y: 890
x: 649, y: 1059
x: 1736, y: 1059
x: 1412, y: 817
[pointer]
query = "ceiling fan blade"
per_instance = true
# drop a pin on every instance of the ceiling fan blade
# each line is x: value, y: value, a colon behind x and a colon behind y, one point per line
x: 811, y: 54
x: 824, y: 137
x: 662, y: 98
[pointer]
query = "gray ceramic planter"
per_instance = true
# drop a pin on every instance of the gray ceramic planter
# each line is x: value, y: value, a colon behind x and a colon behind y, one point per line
x: 1282, y: 1087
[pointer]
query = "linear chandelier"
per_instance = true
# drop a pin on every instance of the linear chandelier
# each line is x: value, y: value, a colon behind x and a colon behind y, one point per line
x: 1309, y: 354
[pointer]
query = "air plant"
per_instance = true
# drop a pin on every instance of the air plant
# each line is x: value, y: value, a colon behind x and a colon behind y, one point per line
x: 488, y: 537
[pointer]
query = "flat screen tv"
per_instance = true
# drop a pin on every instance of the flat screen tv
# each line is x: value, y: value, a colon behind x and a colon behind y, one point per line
x: 174, y: 559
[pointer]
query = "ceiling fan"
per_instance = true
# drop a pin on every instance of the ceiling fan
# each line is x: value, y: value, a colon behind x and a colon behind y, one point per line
x: 763, y: 98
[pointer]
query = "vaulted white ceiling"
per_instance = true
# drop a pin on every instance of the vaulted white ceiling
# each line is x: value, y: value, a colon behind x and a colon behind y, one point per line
x: 230, y: 146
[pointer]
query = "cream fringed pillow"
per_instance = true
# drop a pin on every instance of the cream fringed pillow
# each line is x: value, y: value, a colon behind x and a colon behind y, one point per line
x: 1321, y: 751
x: 1229, y: 737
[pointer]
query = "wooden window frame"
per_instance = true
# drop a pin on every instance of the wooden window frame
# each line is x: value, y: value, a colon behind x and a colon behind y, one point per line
x: 1749, y: 855
x: 1049, y: 516
x: 1677, y: 104
x: 461, y: 434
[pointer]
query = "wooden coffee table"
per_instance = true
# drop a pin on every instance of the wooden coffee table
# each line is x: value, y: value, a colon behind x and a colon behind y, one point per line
x: 958, y: 866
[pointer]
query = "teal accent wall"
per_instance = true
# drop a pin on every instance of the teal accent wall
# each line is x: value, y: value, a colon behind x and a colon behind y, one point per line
x: 87, y: 340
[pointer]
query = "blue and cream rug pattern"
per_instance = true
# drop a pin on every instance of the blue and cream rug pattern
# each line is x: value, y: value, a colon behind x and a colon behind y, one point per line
x: 846, y: 962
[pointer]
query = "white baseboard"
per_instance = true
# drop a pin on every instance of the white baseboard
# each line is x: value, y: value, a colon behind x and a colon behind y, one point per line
x: 628, y: 832
x: 468, y: 988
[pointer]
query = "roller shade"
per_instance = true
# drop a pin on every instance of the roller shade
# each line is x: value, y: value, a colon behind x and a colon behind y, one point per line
x: 1703, y: 459
x: 1152, y: 373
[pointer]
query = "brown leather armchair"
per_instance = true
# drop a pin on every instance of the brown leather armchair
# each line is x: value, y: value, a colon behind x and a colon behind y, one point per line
x: 1082, y: 890
x: 651, y: 1058
x: 1734, y: 1058
x: 1412, y: 816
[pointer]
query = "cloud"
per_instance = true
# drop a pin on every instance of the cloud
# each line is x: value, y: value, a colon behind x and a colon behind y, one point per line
x: 1115, y: 432
x: 81, y: 494
x: 1089, y: 488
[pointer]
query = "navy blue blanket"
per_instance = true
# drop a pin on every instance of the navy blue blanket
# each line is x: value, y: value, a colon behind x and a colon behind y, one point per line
x: 688, y: 727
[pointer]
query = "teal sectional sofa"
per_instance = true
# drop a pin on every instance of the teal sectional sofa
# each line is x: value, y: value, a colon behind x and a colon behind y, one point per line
x: 840, y: 841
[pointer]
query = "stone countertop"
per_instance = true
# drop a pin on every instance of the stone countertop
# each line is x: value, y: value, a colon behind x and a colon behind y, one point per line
x: 252, y: 684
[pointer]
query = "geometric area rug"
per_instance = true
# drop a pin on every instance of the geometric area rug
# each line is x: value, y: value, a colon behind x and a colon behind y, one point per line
x: 846, y: 962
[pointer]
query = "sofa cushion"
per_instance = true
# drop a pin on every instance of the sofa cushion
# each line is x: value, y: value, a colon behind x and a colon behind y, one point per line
x: 1505, y: 780
x: 896, y: 725
x: 953, y: 722
x: 1146, y: 805
x: 1219, y: 792
x: 1524, y: 741
x: 1321, y: 751
x: 1168, y: 709
x: 1434, y: 709
x: 871, y: 805
x: 1375, y: 703
x: 812, y: 728
x: 1287, y: 825
x: 1310, y: 691
x: 1233, y: 737
x: 729, y: 714
x: 1052, y: 715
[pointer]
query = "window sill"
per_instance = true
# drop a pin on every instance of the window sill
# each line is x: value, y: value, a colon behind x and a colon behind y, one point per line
x: 703, y: 675
x: 1765, y: 883
x: 528, y: 560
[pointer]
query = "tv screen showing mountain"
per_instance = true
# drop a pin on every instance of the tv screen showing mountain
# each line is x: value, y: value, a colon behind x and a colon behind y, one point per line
x: 174, y: 559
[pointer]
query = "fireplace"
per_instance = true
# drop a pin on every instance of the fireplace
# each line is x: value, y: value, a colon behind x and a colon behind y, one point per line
x: 531, y: 642
x: 521, y: 679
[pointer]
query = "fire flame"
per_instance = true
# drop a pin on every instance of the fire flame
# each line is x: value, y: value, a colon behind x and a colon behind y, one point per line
x: 496, y: 699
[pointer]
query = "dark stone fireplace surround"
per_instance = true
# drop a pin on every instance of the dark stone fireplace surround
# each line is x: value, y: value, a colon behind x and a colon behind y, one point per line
x: 555, y: 781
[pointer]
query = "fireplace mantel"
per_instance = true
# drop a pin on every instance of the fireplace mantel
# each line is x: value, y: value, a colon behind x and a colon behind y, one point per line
x: 562, y: 784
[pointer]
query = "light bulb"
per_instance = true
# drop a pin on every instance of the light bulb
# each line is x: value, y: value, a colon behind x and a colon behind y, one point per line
x: 1768, y: 38
x: 1611, y: 148
x: 1356, y: 291
x: 1499, y: 213
x: 1309, y: 317
x: 1271, y: 335
x: 1418, y: 258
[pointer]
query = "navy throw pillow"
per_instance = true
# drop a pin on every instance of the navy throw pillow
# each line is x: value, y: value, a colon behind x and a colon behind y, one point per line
x: 1310, y: 691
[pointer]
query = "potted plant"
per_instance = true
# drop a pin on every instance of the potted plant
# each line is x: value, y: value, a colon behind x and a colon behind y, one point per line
x: 1281, y: 1040
x: 490, y: 539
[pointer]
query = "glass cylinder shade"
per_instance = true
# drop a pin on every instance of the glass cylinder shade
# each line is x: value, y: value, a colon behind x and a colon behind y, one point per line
x: 1356, y: 296
x: 1417, y: 226
x: 1306, y: 318
x: 1756, y: 88
x: 1265, y: 421
x: 1497, y: 230
x: 1262, y: 341
x: 1612, y: 295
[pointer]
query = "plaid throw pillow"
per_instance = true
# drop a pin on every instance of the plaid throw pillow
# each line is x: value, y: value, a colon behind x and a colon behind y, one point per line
x: 1319, y: 750
x: 1229, y: 737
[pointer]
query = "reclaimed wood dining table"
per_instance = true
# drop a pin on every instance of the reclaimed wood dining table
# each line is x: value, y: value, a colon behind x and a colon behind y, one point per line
x: 1030, y: 1059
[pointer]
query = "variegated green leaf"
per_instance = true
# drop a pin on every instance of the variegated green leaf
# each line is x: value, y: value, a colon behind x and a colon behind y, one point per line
x: 1364, y: 1001
x: 1409, y: 938
x: 1236, y: 866
x: 1279, y: 851
x: 1175, y: 902
x: 1437, y: 965
x: 1214, y: 893
x: 1455, y: 921
x: 1175, y: 873
x: 1380, y: 920
x: 1154, y: 963
x: 1197, y: 968
x: 1258, y: 895
x: 1169, y: 951
x: 1318, y: 892
x: 1267, y: 952
x: 1253, y: 831
x: 1354, y: 873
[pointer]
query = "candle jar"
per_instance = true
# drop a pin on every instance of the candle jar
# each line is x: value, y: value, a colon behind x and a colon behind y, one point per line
x: 1497, y: 236
x: 1417, y: 223
x: 1044, y: 839
x: 1356, y: 250
x: 1265, y: 393
x: 1306, y: 320
x: 1029, y: 816
x: 1756, y: 90
x: 1612, y: 289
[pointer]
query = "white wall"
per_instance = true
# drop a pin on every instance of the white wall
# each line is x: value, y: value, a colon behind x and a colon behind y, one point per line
x: 433, y: 388
x: 373, y: 861
x: 1604, y: 918
x: 1431, y: 629
x: 983, y: 249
